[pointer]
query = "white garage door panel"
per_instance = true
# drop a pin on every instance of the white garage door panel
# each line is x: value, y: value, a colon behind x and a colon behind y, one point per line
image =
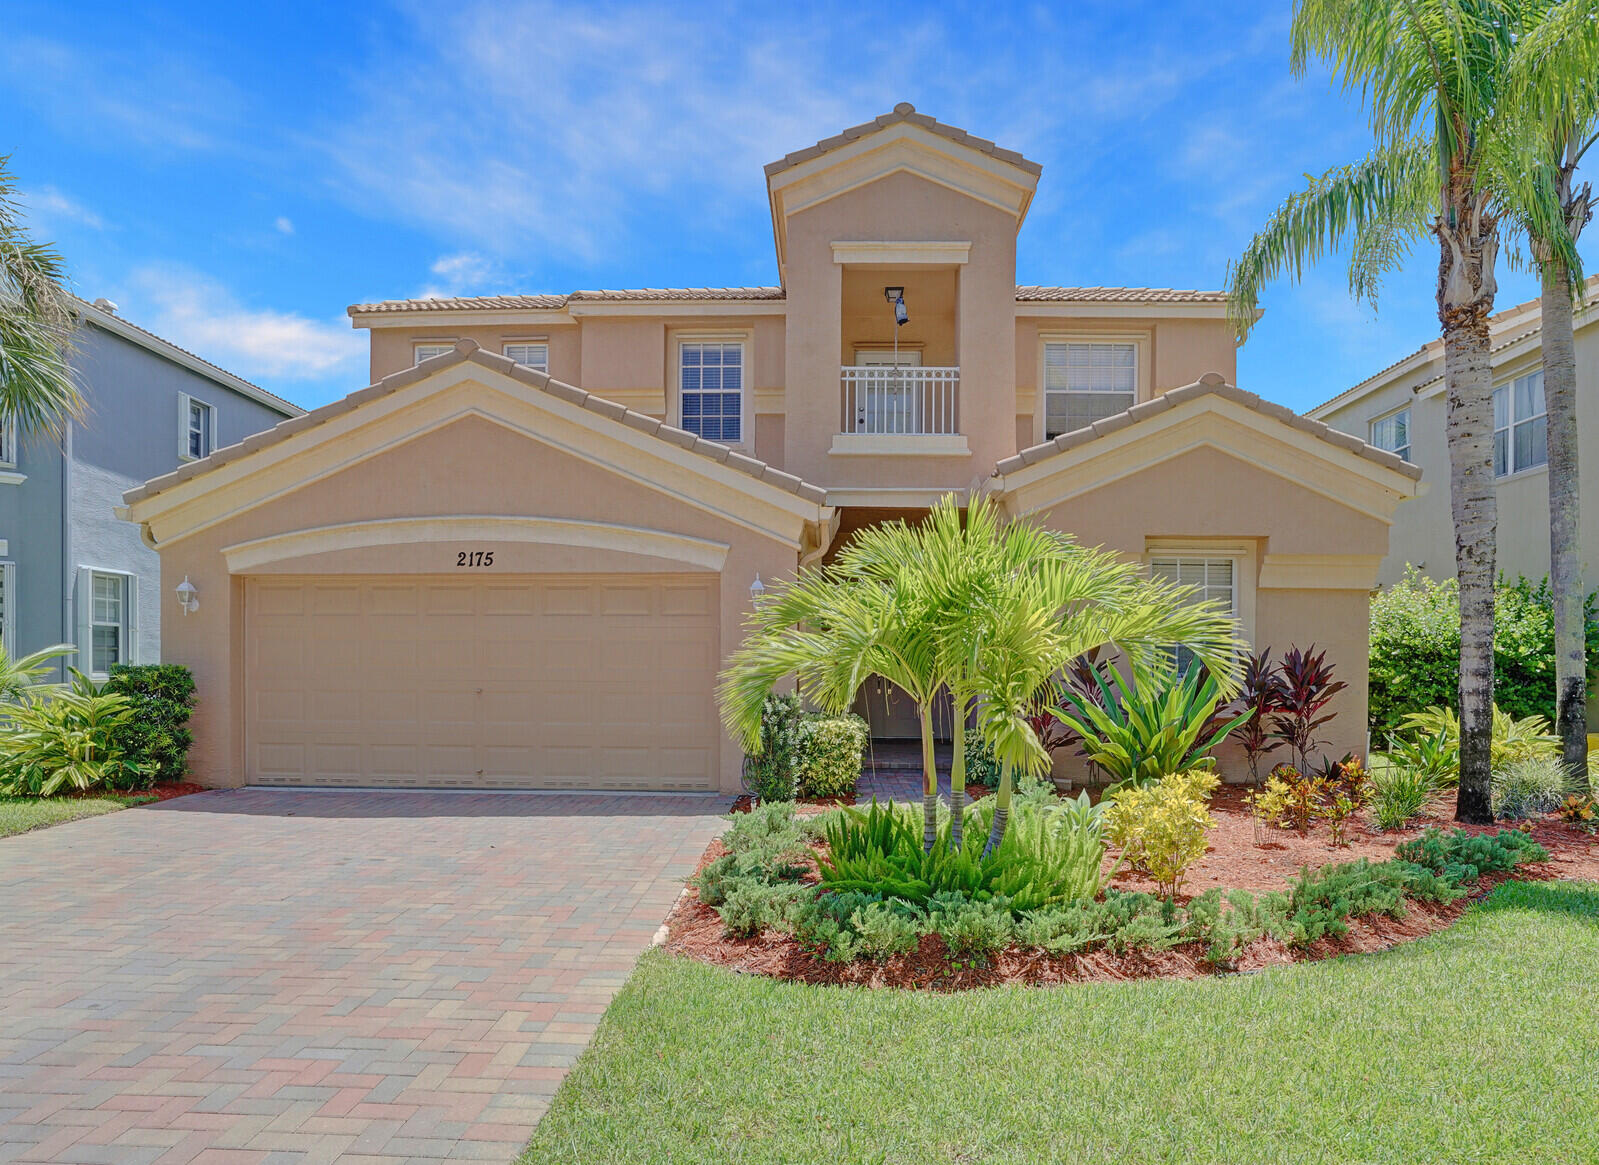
x: 564, y: 681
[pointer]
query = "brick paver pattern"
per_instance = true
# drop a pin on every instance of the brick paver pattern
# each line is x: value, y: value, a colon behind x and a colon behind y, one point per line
x: 279, y: 976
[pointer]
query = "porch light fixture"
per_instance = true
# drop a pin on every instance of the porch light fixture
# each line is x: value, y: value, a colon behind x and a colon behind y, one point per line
x: 188, y: 596
x: 757, y: 588
x: 896, y: 296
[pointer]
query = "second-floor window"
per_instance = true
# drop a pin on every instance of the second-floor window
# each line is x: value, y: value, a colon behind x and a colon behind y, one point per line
x: 1211, y: 579
x: 8, y: 444
x: 535, y: 356
x: 1521, y: 429
x: 711, y: 389
x: 1085, y: 382
x: 428, y: 351
x: 196, y: 428
x: 1393, y: 433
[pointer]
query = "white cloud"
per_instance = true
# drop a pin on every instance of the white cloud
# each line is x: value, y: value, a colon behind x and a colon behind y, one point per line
x: 203, y: 316
x: 459, y: 273
x: 47, y: 204
x: 283, y: 224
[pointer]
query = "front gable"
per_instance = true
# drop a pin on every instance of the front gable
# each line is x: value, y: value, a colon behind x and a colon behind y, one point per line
x: 469, y: 383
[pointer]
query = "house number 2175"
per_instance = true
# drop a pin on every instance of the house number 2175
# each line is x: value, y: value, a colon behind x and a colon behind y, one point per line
x: 475, y: 558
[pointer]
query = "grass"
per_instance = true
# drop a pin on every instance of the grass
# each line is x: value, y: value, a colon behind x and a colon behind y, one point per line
x: 1473, y: 1044
x: 20, y: 814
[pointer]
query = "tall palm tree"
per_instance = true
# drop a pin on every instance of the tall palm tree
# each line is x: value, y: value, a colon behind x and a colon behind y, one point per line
x: 1431, y: 74
x: 37, y: 389
x: 1553, y: 102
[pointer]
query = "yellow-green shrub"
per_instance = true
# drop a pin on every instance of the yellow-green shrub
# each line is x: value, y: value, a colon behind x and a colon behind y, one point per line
x: 828, y: 755
x: 1161, y: 827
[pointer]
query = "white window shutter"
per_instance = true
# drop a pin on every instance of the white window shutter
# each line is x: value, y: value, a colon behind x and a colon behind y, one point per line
x: 183, y: 427
x: 85, y: 606
x: 211, y: 443
x: 8, y: 580
x: 130, y: 620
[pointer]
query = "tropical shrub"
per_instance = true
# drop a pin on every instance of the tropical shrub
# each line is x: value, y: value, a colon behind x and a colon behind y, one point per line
x: 1161, y: 827
x: 67, y: 739
x: 1260, y: 698
x: 828, y: 752
x: 982, y: 766
x: 969, y: 928
x: 1307, y: 689
x: 157, y: 734
x: 1415, y: 649
x: 1579, y: 809
x: 1291, y: 798
x: 769, y: 772
x: 1432, y: 755
x: 21, y: 677
x: 1513, y: 739
x: 1398, y: 795
x: 1138, y: 733
x: 1530, y: 786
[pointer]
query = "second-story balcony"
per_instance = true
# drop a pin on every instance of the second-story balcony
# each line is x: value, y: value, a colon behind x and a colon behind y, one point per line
x: 900, y: 401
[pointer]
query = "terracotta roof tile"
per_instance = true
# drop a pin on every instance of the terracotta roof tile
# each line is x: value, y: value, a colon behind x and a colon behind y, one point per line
x: 903, y: 112
x: 1034, y: 293
x: 1211, y: 384
x: 468, y: 350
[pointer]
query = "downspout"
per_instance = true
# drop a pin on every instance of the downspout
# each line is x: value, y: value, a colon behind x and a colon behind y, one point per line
x: 68, y: 624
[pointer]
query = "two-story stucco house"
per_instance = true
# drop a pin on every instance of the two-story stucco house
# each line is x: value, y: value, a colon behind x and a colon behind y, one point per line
x: 520, y: 555
x: 70, y: 570
x: 1401, y: 409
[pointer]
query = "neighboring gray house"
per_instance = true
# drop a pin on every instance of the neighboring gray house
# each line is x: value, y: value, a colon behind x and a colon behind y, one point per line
x: 70, y: 570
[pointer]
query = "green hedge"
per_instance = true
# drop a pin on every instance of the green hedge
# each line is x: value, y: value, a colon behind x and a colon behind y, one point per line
x: 1415, y: 649
x: 828, y: 756
x: 158, y: 732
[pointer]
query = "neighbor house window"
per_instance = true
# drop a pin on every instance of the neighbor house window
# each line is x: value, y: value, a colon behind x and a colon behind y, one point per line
x: 1521, y: 429
x: 711, y: 389
x: 428, y: 351
x: 1213, y: 579
x: 8, y: 444
x: 196, y: 428
x: 535, y: 356
x: 1085, y: 382
x: 108, y: 621
x: 1393, y: 433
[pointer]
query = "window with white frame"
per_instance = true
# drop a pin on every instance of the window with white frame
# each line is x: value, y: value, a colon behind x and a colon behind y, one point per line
x: 1212, y: 579
x: 196, y: 428
x: 711, y: 389
x: 535, y: 356
x: 1521, y: 428
x: 108, y: 620
x: 1086, y: 381
x: 8, y: 444
x: 428, y: 351
x: 1393, y: 433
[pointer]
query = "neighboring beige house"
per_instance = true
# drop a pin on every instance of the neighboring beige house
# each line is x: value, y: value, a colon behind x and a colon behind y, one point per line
x: 1402, y: 409
x: 474, y: 573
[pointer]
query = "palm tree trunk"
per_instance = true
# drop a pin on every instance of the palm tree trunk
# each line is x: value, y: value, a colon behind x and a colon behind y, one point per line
x: 1468, y: 376
x: 1565, y: 550
x: 957, y: 778
x: 929, y: 782
x: 996, y: 833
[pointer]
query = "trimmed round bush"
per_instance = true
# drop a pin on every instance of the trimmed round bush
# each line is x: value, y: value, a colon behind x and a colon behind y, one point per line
x: 828, y: 755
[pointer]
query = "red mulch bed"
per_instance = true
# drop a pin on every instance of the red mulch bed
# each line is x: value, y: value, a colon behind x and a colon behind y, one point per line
x: 164, y: 791
x: 1234, y: 860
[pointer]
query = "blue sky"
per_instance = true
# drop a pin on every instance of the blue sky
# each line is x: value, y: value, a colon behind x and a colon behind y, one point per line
x: 233, y: 176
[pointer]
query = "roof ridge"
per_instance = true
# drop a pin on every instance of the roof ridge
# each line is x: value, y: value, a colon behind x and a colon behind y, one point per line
x: 465, y: 351
x: 1210, y: 384
x: 903, y: 112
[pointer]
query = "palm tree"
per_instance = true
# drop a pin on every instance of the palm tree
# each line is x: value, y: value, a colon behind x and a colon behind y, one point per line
x: 1554, y: 108
x: 20, y: 677
x: 1431, y: 73
x: 36, y: 323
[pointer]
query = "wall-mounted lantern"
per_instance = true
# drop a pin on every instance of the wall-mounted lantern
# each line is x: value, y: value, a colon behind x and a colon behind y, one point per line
x: 188, y: 596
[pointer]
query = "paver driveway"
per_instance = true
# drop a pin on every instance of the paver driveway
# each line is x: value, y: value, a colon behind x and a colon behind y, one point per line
x: 265, y: 976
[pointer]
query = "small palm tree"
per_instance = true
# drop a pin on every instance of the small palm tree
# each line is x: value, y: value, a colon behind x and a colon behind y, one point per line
x: 37, y: 389
x: 1432, y: 74
x: 20, y: 677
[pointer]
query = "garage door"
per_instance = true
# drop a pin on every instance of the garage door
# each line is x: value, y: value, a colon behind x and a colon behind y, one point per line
x: 549, y: 681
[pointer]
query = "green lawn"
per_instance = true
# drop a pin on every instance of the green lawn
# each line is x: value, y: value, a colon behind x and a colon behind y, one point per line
x: 1475, y: 1044
x: 20, y: 814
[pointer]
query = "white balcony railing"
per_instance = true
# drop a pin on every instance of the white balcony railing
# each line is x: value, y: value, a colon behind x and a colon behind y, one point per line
x: 880, y: 398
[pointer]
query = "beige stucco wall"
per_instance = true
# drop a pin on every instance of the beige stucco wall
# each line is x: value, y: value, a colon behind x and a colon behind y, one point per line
x: 1207, y: 496
x: 393, y: 349
x: 469, y: 467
